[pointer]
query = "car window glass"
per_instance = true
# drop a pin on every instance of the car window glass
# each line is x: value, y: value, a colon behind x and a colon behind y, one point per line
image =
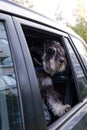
x: 9, y: 108
x: 78, y: 70
x: 82, y: 49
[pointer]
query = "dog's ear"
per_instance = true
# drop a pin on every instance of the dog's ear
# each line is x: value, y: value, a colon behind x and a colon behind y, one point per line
x: 59, y: 47
x: 56, y: 44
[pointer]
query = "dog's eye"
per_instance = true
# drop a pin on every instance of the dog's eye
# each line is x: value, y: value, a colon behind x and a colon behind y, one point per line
x: 61, y: 60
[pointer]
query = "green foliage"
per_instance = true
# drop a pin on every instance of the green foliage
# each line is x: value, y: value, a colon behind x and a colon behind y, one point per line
x: 81, y: 29
x: 83, y: 89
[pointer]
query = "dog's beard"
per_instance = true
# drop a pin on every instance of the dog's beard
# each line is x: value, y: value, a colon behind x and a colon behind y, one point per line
x: 52, y: 66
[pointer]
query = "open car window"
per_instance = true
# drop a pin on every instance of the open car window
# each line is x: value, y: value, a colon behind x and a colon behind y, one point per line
x: 62, y: 82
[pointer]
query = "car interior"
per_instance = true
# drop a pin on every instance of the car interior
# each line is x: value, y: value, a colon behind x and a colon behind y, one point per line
x: 63, y: 82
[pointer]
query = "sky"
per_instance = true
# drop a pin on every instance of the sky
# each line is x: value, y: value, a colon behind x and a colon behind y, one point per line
x: 49, y: 8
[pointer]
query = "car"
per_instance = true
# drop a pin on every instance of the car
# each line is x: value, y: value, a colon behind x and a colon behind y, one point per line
x: 21, y: 105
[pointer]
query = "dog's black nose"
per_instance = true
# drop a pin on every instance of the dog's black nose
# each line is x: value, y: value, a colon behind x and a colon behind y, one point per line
x: 61, y: 60
x: 50, y: 51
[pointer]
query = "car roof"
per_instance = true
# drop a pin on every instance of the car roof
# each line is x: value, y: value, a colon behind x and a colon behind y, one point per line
x: 14, y: 9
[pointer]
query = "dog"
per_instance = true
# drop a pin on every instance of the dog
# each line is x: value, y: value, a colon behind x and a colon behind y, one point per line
x: 53, y: 61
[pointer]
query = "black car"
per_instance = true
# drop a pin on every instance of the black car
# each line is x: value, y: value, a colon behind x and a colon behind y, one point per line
x: 21, y: 106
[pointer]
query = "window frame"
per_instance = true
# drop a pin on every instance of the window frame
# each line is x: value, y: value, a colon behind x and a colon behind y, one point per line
x: 19, y: 69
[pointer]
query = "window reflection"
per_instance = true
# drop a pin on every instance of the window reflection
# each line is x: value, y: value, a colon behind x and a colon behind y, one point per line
x: 10, y: 118
x: 78, y: 70
x: 82, y: 49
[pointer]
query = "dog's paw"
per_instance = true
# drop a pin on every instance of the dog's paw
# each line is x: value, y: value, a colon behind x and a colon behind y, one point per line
x: 64, y: 109
x: 67, y: 108
x: 60, y: 109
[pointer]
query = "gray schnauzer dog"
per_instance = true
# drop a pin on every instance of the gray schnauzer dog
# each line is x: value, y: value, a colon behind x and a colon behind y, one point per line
x: 53, y: 61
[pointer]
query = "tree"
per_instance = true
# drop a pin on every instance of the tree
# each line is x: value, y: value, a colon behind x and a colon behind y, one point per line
x: 60, y: 15
x: 81, y: 29
x: 81, y: 22
x: 26, y: 3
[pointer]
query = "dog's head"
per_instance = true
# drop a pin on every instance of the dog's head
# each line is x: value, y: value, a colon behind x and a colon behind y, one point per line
x: 53, y: 59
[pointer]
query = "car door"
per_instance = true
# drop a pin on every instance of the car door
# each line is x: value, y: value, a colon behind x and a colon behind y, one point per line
x: 15, y: 95
x: 27, y: 31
